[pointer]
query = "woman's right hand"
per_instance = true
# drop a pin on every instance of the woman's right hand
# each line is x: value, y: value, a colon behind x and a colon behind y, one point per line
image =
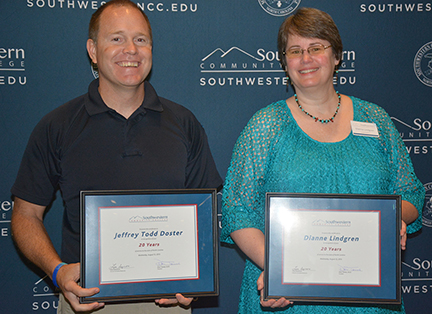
x: 282, y: 302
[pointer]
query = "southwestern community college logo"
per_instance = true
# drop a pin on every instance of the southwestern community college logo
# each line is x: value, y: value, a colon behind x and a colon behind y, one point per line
x: 279, y: 7
x: 423, y: 64
x: 427, y: 209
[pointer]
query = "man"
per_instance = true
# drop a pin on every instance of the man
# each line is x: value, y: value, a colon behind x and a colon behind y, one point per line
x: 120, y: 135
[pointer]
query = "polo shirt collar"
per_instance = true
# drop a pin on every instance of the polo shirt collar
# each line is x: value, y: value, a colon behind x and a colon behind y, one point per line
x: 96, y: 105
x: 151, y: 98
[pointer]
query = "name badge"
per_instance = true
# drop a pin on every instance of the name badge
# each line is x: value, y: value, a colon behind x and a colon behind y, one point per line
x: 364, y: 129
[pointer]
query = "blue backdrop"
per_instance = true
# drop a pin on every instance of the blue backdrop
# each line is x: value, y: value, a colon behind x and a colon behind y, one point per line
x: 219, y: 59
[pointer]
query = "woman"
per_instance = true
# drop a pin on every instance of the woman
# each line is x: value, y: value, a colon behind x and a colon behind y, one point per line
x: 305, y: 145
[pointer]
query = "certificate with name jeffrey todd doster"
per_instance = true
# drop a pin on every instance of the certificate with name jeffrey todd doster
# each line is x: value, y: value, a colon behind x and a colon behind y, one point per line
x: 148, y: 244
x: 333, y: 248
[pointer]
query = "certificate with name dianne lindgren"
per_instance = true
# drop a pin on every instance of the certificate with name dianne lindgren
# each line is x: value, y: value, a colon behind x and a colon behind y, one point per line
x: 333, y: 248
x: 149, y: 244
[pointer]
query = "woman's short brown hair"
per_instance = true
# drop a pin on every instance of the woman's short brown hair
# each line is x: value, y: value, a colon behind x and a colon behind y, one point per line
x: 309, y: 23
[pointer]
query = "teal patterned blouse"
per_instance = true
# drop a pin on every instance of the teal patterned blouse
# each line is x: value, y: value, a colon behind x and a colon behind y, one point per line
x: 273, y: 154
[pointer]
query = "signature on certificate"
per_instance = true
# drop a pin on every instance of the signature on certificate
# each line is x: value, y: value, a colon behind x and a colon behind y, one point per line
x: 119, y: 267
x: 301, y: 270
x: 348, y: 269
x: 165, y: 264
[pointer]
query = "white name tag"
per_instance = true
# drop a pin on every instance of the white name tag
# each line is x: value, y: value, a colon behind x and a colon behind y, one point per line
x: 364, y: 129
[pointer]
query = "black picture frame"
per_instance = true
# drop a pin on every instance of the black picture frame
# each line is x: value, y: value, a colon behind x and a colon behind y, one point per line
x: 333, y: 248
x: 184, y: 225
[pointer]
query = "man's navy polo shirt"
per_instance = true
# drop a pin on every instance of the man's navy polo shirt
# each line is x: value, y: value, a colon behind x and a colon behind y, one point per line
x: 84, y: 145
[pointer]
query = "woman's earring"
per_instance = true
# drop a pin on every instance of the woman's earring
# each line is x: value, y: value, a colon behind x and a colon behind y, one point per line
x: 335, y: 77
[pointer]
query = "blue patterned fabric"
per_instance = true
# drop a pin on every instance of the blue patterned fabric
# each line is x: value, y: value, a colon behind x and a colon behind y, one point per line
x: 273, y: 154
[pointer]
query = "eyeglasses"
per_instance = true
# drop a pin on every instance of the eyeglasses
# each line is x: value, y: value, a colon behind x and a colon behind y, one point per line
x: 312, y: 50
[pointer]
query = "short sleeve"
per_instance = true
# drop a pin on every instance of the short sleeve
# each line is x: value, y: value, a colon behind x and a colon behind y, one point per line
x: 404, y: 181
x: 38, y: 175
x: 201, y: 171
x: 243, y: 195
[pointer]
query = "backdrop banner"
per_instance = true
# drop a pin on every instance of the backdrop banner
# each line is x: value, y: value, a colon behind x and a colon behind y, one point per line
x: 219, y: 59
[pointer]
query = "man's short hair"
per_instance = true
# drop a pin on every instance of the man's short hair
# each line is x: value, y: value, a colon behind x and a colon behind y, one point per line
x: 95, y: 19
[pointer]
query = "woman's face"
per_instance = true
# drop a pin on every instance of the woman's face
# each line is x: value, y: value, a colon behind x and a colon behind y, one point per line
x: 306, y: 70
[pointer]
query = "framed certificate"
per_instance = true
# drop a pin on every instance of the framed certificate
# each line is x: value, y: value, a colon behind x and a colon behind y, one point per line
x: 149, y: 244
x: 333, y: 248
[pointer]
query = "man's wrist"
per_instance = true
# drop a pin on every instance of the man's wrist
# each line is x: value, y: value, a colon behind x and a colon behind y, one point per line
x: 54, y: 275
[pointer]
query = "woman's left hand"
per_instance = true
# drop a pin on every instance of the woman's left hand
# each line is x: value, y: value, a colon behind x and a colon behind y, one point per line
x: 180, y: 299
x: 403, y: 235
x: 282, y: 302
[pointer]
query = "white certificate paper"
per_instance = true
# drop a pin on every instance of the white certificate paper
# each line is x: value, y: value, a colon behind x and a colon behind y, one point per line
x: 342, y: 247
x: 148, y: 243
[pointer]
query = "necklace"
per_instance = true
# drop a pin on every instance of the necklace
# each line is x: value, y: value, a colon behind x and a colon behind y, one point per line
x: 316, y: 118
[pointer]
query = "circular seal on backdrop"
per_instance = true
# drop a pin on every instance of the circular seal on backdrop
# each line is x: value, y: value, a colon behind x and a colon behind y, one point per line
x: 279, y: 7
x: 423, y: 64
x: 427, y: 209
